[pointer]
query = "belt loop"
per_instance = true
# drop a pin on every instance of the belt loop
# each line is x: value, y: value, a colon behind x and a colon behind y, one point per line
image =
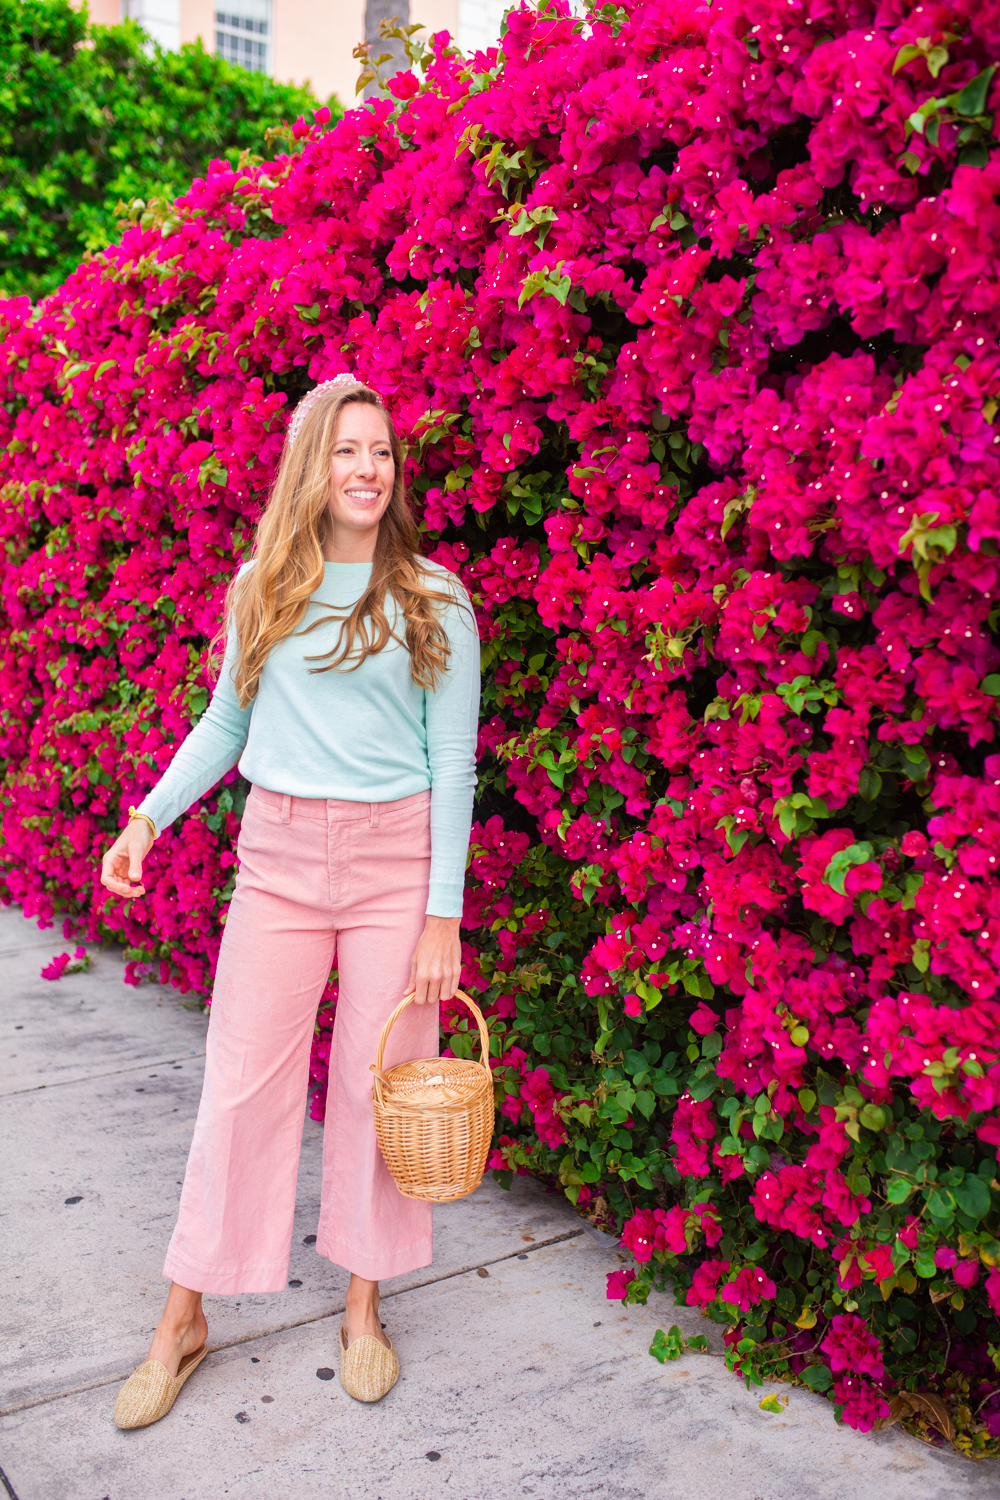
x: 286, y: 808
x: 373, y: 808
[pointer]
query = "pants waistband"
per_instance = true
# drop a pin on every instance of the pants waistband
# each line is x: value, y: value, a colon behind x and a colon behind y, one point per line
x: 335, y: 809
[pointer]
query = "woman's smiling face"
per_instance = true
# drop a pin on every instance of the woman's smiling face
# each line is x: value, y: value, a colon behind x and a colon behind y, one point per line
x: 362, y: 472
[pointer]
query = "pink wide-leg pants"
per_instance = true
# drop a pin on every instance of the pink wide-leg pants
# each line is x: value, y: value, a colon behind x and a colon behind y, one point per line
x: 315, y: 877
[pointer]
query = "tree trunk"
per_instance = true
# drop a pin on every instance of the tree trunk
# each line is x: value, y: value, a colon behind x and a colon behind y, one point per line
x: 383, y: 10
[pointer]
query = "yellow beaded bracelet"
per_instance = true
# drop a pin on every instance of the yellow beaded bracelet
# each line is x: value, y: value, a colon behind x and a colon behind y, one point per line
x: 134, y: 813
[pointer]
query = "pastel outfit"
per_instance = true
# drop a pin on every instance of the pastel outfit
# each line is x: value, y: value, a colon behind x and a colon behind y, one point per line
x: 357, y: 826
x: 371, y: 735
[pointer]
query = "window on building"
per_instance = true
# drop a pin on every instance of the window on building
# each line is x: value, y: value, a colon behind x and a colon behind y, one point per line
x: 159, y: 19
x: 243, y: 34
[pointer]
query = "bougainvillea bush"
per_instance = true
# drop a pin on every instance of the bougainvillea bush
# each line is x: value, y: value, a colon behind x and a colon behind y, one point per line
x: 691, y: 319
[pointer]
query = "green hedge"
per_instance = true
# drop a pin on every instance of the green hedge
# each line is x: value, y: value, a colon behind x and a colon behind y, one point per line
x: 90, y: 115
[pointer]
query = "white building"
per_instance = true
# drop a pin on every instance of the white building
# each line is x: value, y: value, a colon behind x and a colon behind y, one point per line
x: 299, y: 41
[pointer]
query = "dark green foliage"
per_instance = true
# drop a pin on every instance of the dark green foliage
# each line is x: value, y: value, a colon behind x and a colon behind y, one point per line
x: 90, y: 115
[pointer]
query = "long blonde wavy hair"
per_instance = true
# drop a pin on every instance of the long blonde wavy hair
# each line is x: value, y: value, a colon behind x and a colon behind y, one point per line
x: 268, y: 601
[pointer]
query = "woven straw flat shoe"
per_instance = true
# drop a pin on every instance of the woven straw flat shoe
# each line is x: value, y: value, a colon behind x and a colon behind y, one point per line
x: 149, y: 1394
x: 368, y: 1370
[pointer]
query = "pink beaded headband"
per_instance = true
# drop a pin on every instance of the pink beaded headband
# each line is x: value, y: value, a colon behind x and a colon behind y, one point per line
x: 311, y: 397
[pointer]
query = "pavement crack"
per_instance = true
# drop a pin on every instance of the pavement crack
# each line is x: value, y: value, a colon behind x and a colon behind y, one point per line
x: 28, y: 948
x: 139, y: 1067
x: 266, y: 1333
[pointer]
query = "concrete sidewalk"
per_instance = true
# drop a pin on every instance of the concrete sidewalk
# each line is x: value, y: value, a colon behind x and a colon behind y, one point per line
x: 521, y: 1382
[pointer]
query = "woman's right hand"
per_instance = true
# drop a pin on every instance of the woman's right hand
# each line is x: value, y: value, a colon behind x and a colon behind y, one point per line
x: 121, y: 867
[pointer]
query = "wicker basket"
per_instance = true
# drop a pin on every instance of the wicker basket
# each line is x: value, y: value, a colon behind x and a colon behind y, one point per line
x: 434, y: 1117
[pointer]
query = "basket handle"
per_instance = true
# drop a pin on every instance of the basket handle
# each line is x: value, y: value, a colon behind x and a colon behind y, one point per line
x: 484, y: 1035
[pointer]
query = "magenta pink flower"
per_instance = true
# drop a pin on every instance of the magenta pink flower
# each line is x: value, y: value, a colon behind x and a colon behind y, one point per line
x: 966, y: 1273
x: 702, y: 1020
x: 993, y: 1290
x: 618, y: 1284
x: 748, y: 1287
x: 639, y: 1235
x: 863, y: 1404
x: 704, y: 1286
x: 879, y: 1260
x: 671, y: 1229
x: 63, y: 962
x: 542, y: 1100
x: 908, y: 1234
x: 709, y: 1222
x: 850, y: 1345
x: 693, y: 1127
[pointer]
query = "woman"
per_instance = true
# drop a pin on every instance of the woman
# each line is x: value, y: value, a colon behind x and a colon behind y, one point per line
x: 349, y: 693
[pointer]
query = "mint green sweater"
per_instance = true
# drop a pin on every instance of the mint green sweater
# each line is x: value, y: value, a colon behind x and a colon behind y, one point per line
x: 371, y: 735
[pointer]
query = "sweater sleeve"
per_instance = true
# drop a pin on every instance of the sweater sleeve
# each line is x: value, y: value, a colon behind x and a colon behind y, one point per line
x: 452, y: 720
x: 211, y: 749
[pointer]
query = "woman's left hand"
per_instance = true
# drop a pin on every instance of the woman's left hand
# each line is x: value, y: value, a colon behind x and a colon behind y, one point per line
x: 436, y: 969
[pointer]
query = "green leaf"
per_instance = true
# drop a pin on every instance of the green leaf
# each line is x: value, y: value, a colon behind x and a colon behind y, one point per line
x: 602, y: 1042
x: 872, y: 1117
x: 923, y: 1264
x: 817, y: 1378
x: 973, y: 1197
x: 941, y: 1205
x: 711, y: 1045
x: 545, y: 283
x: 645, y: 1102
x: 635, y: 1062
x: 669, y: 1345
x: 972, y: 99
x: 869, y: 783
x: 905, y: 1339
x: 906, y: 54
x: 898, y: 1190
x: 844, y: 860
x: 937, y: 58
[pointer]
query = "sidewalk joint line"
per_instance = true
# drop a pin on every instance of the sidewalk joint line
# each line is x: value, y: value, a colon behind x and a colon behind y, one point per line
x: 28, y: 948
x: 7, y: 1485
x: 266, y: 1333
x: 64, y: 1083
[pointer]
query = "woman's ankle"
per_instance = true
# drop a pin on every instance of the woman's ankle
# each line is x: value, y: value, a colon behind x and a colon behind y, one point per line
x: 182, y: 1316
x: 180, y: 1332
